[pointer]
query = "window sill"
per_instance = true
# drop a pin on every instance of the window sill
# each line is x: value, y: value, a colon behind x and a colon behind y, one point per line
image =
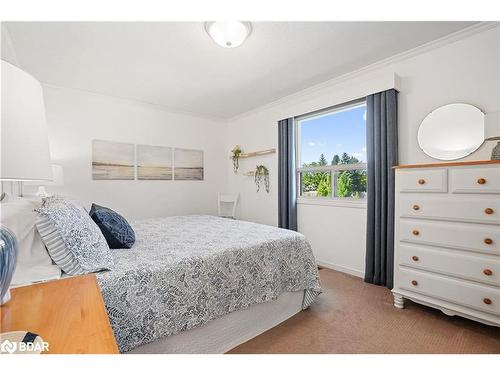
x: 346, y: 202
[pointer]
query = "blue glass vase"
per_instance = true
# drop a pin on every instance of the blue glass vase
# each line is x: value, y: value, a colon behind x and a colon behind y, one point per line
x: 8, y: 256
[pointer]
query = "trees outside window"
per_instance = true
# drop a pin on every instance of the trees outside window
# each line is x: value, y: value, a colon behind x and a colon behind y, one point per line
x: 350, y: 183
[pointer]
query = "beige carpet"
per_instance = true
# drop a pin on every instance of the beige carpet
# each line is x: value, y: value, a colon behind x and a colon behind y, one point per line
x: 354, y: 317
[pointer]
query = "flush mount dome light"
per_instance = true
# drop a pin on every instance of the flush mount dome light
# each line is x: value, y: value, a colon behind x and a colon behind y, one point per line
x: 228, y: 34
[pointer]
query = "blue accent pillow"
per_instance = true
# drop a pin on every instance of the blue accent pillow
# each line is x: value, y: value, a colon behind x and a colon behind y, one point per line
x: 115, y: 229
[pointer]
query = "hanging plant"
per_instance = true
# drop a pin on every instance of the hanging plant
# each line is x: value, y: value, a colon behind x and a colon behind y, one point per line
x: 236, y: 153
x: 262, y: 176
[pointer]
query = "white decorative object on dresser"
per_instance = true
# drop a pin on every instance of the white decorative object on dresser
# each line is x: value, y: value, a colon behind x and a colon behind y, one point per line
x: 447, y: 238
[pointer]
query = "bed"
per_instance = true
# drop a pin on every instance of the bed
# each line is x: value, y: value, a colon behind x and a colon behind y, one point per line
x: 204, y: 284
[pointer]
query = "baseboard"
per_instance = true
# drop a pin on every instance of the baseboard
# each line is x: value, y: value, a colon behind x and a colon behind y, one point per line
x: 336, y: 267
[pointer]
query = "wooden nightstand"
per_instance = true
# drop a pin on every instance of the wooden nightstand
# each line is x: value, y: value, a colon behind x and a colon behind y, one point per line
x: 69, y: 314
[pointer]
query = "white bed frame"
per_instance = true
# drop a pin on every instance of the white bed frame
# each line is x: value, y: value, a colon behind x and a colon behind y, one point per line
x: 221, y: 335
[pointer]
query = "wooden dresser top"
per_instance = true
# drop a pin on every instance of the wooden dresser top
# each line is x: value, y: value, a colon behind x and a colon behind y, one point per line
x: 448, y: 164
x: 69, y: 314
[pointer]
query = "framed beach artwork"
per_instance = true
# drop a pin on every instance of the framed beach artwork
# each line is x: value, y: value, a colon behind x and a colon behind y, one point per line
x: 113, y: 160
x: 188, y: 164
x: 154, y: 162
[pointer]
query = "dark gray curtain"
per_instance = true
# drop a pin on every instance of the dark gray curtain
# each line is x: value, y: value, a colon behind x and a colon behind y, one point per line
x: 287, y: 195
x: 382, y: 155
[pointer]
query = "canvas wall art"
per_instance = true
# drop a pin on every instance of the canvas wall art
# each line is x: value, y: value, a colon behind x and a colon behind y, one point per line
x: 188, y: 164
x: 154, y: 162
x: 113, y: 160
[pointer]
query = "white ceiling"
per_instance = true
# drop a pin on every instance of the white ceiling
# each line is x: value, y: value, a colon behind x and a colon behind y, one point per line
x: 177, y: 65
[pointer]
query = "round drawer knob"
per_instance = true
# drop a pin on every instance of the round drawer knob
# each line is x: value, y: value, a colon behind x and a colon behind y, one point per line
x: 487, y: 301
x: 416, y: 207
x: 481, y: 181
x: 488, y: 241
x: 421, y: 181
x: 414, y: 282
x: 414, y: 258
x: 488, y: 272
x: 415, y: 232
x: 488, y: 211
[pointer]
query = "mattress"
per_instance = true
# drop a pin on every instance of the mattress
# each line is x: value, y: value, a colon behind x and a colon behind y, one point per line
x: 186, y: 271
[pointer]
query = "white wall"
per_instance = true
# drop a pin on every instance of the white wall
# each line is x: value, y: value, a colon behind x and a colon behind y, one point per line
x: 74, y: 118
x: 460, y: 70
x: 7, y: 50
x: 336, y: 234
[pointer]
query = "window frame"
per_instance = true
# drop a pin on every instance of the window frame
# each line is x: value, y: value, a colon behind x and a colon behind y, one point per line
x: 332, y: 169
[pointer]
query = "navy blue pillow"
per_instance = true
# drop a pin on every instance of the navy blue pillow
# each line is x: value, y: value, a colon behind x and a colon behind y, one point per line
x: 115, y: 229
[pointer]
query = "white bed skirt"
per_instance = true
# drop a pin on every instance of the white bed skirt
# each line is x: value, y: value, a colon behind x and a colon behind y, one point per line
x: 229, y: 331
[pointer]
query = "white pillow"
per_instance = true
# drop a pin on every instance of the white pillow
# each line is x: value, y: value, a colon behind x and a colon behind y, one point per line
x: 33, y: 262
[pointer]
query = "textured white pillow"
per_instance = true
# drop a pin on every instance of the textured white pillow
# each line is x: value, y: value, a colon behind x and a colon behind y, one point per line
x: 73, y: 240
x: 33, y: 262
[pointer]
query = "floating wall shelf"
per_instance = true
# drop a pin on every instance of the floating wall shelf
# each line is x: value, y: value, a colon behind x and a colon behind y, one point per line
x: 257, y: 153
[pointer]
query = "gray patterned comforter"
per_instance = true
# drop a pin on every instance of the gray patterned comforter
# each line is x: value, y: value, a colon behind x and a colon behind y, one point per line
x: 184, y: 271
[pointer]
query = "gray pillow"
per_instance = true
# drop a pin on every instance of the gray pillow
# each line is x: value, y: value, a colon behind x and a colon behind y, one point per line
x: 74, y: 242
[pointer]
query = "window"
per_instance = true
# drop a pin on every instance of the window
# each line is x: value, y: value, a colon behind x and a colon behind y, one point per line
x: 331, y: 153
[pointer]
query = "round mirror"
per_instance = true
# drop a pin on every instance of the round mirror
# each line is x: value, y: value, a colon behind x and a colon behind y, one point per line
x: 452, y: 131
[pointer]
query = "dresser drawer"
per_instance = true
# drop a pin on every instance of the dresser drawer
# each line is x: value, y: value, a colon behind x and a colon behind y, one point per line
x: 475, y: 180
x: 451, y: 208
x: 475, y: 296
x: 472, y: 237
x: 426, y: 180
x: 473, y: 267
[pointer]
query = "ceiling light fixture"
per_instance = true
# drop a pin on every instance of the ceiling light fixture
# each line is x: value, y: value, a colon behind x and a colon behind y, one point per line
x: 228, y: 34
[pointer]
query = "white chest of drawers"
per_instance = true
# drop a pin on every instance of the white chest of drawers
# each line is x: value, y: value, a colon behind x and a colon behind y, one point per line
x: 447, y: 238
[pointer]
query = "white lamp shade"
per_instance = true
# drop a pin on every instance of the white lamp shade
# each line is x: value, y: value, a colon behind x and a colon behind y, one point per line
x: 25, y: 152
x: 57, y: 178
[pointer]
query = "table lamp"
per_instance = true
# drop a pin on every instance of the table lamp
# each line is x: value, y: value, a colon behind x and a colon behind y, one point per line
x: 25, y: 152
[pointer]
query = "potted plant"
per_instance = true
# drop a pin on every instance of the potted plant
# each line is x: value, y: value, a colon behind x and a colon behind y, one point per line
x: 236, y: 153
x: 262, y: 176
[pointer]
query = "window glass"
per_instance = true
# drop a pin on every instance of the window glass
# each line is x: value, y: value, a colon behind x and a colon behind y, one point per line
x: 331, y: 153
